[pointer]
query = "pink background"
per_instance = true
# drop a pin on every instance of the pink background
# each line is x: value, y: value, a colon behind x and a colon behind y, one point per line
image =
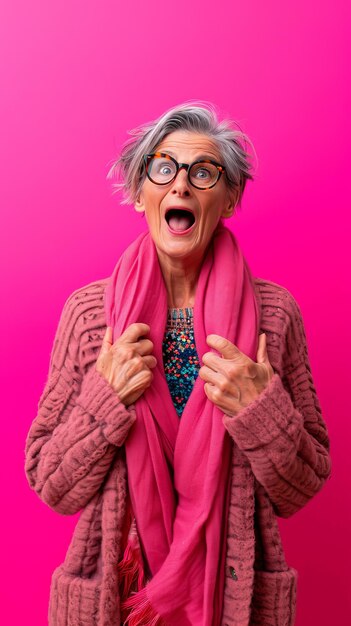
x: 75, y: 77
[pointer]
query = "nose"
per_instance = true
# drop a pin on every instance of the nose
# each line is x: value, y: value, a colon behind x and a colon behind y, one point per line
x: 181, y: 183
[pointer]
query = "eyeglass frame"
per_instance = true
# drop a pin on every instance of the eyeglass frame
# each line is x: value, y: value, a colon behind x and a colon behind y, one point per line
x: 179, y: 166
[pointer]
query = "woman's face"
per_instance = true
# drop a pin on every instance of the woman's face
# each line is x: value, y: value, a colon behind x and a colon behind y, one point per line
x: 208, y: 205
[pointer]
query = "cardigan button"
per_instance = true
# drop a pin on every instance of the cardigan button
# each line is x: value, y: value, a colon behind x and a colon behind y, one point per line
x: 233, y: 573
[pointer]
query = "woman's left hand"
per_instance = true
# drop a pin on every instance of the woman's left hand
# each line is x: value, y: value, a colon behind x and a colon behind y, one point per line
x: 233, y: 380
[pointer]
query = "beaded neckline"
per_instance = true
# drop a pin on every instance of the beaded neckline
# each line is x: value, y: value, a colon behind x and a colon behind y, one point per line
x: 180, y: 316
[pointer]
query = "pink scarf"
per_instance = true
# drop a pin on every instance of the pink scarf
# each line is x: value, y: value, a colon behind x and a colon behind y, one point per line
x: 179, y: 469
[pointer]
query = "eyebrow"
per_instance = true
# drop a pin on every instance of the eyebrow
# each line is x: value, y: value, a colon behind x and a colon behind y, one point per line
x: 201, y: 156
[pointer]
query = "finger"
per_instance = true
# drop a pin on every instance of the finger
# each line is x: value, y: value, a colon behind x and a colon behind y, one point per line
x: 216, y: 380
x: 262, y: 348
x: 209, y: 389
x: 133, y: 366
x: 216, y: 363
x: 226, y: 348
x: 215, y: 395
x: 141, y: 347
x: 210, y: 376
x: 138, y: 364
x: 134, y: 331
x: 106, y: 341
x: 108, y: 335
x: 144, y: 346
x: 150, y: 361
x: 224, y: 401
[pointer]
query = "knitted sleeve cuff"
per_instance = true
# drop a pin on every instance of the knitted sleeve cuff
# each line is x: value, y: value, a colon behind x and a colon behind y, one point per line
x: 99, y: 399
x: 271, y: 416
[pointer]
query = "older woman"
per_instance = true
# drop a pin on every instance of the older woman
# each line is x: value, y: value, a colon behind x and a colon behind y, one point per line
x: 180, y: 410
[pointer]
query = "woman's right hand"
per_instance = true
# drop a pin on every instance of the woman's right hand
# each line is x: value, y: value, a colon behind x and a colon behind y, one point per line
x: 127, y: 363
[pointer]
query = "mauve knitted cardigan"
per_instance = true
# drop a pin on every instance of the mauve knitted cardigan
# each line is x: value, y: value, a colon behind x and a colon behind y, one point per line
x: 75, y: 459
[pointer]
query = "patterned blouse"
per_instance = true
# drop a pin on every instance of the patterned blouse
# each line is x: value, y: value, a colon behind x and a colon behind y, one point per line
x: 180, y: 359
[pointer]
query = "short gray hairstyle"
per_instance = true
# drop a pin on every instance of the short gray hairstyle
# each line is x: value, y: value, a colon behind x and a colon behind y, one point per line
x: 192, y: 116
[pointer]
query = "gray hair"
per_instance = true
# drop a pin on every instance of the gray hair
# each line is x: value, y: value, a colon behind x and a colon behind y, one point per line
x: 192, y: 116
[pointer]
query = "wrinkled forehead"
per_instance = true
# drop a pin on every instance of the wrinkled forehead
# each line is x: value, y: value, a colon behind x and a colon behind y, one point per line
x: 182, y: 144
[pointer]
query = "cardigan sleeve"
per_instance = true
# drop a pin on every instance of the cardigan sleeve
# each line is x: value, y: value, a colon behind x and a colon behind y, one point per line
x: 80, y: 420
x: 282, y: 432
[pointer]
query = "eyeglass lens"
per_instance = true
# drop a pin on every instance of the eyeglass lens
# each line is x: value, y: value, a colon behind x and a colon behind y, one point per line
x: 162, y: 171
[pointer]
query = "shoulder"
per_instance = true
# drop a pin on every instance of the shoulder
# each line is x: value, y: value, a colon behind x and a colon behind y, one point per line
x: 82, y: 318
x: 86, y: 298
x: 84, y: 305
x: 276, y: 301
x: 281, y: 319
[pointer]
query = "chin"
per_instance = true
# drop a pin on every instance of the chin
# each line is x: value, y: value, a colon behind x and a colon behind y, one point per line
x: 179, y: 250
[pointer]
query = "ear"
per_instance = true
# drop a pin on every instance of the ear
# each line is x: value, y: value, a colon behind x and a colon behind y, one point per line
x: 230, y: 205
x: 228, y: 211
x: 139, y: 204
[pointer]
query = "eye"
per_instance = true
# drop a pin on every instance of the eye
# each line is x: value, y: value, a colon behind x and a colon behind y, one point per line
x: 165, y: 170
x: 202, y: 173
x: 162, y: 167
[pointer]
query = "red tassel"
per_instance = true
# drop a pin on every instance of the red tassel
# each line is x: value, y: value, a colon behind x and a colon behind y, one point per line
x: 142, y: 613
x: 136, y: 609
x: 131, y: 567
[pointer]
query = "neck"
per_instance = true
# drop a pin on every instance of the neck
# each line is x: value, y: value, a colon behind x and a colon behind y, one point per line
x: 180, y: 276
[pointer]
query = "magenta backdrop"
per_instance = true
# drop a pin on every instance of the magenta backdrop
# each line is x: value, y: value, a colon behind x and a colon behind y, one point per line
x: 75, y: 77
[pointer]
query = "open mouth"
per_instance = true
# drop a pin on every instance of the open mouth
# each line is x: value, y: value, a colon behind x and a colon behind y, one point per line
x: 179, y: 220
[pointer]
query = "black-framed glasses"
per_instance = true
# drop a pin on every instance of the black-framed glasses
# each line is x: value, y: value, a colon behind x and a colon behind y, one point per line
x: 162, y: 169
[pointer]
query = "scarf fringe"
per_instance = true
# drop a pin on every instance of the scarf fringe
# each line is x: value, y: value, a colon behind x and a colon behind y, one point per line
x: 131, y: 569
x: 142, y: 613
